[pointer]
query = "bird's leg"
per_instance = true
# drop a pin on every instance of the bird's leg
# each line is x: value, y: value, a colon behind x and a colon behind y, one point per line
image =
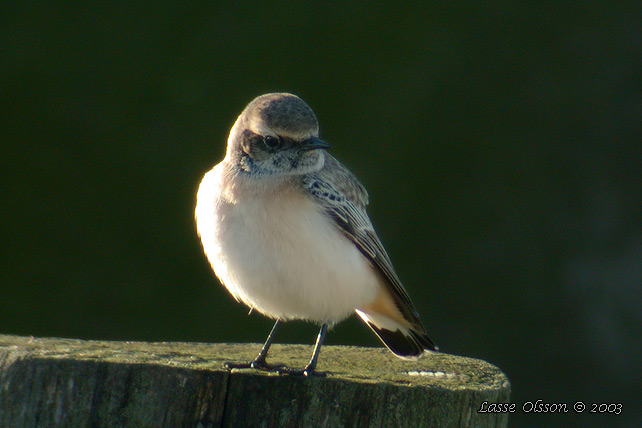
x: 310, y: 368
x: 259, y: 362
x: 312, y: 365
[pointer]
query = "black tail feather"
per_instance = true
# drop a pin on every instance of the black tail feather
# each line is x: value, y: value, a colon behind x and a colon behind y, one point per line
x: 406, y: 343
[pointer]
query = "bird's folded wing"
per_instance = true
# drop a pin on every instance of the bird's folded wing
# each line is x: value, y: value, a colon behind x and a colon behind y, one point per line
x: 344, y: 200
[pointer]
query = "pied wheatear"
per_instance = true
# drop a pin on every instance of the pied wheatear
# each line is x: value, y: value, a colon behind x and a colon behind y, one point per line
x: 285, y: 228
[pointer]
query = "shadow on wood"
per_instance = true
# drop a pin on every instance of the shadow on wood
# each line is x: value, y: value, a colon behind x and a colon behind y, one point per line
x: 74, y: 383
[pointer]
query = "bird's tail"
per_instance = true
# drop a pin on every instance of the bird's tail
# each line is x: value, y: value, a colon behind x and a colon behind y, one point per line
x: 406, y: 342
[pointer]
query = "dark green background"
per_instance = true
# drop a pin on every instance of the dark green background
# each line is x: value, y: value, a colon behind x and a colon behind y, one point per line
x: 500, y: 143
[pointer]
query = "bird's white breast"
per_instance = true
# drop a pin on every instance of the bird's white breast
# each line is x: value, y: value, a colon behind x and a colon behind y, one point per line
x: 274, y: 249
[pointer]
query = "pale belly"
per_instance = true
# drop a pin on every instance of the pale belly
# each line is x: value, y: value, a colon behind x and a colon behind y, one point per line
x: 283, y: 257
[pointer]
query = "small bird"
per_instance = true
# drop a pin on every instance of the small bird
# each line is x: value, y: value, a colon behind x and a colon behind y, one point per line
x: 285, y: 229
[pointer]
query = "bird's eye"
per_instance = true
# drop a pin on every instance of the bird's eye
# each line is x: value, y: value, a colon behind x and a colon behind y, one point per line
x: 271, y: 142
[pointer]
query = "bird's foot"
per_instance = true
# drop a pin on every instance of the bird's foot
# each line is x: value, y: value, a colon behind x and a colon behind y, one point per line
x: 278, y: 369
x: 257, y: 364
x: 307, y: 371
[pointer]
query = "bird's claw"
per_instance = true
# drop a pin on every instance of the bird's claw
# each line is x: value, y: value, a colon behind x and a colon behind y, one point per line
x: 280, y: 369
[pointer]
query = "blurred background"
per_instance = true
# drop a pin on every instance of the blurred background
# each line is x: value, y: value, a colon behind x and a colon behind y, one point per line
x: 500, y: 143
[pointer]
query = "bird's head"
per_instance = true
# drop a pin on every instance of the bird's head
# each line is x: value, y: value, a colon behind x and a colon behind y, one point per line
x: 276, y: 134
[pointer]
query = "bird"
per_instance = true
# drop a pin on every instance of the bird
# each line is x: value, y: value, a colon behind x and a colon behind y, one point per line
x: 284, y: 226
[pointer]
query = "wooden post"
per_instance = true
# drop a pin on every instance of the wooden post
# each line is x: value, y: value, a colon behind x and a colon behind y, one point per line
x: 68, y: 383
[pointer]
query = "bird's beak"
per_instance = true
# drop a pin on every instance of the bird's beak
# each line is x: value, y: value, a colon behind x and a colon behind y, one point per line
x: 314, y: 143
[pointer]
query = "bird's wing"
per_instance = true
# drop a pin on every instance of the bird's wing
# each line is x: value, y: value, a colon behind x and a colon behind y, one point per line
x: 344, y: 200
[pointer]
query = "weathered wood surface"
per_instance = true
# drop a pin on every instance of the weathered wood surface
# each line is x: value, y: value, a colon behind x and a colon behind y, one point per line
x: 74, y: 383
